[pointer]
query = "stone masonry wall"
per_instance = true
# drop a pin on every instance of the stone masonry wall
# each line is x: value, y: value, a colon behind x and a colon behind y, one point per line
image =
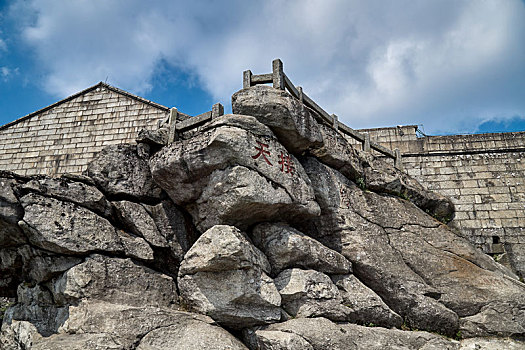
x: 64, y: 137
x: 484, y: 175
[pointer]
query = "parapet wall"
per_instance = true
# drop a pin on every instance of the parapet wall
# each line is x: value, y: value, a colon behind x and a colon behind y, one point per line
x: 484, y: 175
x: 64, y: 137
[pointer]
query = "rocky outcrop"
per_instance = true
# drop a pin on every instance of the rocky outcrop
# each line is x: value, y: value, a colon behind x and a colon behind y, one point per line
x: 264, y: 232
x: 292, y: 122
x: 320, y: 333
x: 221, y: 257
x: 120, y: 173
x: 422, y: 270
x: 286, y: 247
x: 234, y: 165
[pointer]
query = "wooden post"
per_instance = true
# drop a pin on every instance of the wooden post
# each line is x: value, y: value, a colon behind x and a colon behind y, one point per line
x: 278, y: 74
x: 366, y: 143
x: 398, y: 161
x: 172, y: 122
x: 336, y: 122
x: 217, y: 110
x: 246, y: 79
x: 300, y: 89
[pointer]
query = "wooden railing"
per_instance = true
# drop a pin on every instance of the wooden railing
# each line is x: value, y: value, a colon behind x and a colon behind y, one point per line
x: 282, y: 82
x: 175, y: 128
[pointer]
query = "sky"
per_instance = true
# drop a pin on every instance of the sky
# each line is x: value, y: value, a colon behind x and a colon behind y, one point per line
x: 450, y: 66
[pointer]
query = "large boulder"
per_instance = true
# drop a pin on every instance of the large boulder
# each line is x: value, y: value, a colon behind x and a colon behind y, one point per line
x: 234, y: 172
x: 287, y: 247
x: 365, y: 306
x: 11, y: 212
x: 137, y: 220
x: 120, y: 173
x: 224, y: 276
x: 147, y: 326
x: 36, y: 305
x: 174, y: 225
x: 66, y: 228
x: 308, y: 293
x: 420, y: 268
x: 115, y: 280
x: 67, y: 190
x: 321, y: 333
x: 292, y: 122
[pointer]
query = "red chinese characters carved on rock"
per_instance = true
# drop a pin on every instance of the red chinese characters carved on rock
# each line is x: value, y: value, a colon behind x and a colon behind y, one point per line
x: 286, y: 163
x: 262, y: 152
x: 285, y: 160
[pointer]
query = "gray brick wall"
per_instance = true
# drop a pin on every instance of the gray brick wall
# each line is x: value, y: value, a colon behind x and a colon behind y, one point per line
x: 65, y: 137
x: 484, y: 175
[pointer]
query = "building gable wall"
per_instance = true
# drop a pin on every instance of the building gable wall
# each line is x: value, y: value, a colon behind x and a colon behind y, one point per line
x: 65, y: 137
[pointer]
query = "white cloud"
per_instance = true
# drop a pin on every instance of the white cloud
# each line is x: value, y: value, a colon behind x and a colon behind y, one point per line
x: 5, y: 71
x: 447, y: 64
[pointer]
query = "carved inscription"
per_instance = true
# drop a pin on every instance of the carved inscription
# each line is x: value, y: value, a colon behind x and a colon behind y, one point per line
x: 284, y: 159
x: 344, y: 197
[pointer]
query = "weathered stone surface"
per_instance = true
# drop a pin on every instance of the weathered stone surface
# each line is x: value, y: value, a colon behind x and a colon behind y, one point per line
x: 366, y: 307
x: 308, y: 293
x: 223, y: 248
x: 10, y: 271
x: 135, y: 247
x: 496, y: 318
x: 377, y: 174
x: 18, y: 335
x: 130, y: 324
x: 381, y: 177
x: 66, y: 228
x: 137, y: 220
x: 10, y: 210
x: 273, y: 340
x: 10, y: 213
x: 40, y: 265
x: 292, y: 122
x: 193, y: 335
x: 121, y: 173
x: 174, y: 227
x: 421, y: 269
x: 286, y: 247
x: 221, y: 176
x: 81, y: 341
x: 223, y: 276
x: 67, y: 190
x: 115, y: 280
x: 323, y: 334
x: 492, y: 344
x: 27, y: 264
x: 36, y: 305
x: 338, y: 153
x: 155, y: 138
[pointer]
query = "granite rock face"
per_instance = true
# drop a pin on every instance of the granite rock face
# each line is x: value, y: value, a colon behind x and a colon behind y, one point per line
x: 223, y: 256
x: 120, y: 172
x: 292, y: 122
x: 235, y: 165
x: 420, y: 268
x: 267, y: 231
x: 286, y: 247
x: 321, y: 333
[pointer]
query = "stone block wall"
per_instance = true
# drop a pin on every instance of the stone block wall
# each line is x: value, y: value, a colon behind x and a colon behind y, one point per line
x: 64, y: 137
x: 484, y: 175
